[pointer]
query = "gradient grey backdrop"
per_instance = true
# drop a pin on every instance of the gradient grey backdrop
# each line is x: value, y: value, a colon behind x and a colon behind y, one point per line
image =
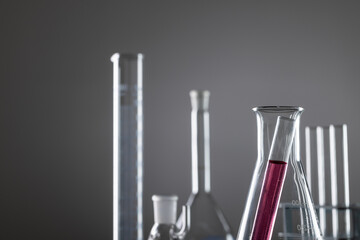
x: 56, y: 98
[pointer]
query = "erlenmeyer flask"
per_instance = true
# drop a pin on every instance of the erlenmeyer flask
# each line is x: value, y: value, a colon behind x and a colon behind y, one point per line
x: 207, y: 220
x: 295, y: 190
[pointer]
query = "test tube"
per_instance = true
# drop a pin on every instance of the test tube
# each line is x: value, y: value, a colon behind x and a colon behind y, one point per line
x: 274, y: 179
x: 340, y: 193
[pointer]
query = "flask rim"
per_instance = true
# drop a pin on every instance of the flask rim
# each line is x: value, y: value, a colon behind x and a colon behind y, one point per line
x: 164, y: 197
x: 126, y: 55
x: 283, y: 109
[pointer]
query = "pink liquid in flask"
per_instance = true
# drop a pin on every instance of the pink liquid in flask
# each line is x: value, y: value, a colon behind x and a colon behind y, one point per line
x: 269, y: 200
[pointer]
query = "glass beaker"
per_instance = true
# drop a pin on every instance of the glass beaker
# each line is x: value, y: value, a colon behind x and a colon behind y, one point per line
x: 127, y: 146
x: 295, y: 189
x: 207, y: 220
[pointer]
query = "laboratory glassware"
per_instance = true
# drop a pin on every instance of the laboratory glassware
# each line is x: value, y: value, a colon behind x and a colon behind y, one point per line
x: 274, y: 179
x: 127, y: 146
x: 164, y: 227
x: 207, y: 219
x: 295, y: 189
x: 327, y: 171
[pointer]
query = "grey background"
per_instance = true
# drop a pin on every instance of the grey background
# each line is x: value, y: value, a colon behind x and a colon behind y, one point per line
x: 56, y: 98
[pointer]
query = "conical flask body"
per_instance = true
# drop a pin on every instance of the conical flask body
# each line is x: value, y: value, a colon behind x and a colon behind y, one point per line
x: 207, y: 220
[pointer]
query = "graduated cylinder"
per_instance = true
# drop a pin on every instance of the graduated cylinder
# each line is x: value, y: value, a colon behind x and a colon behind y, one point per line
x: 127, y: 146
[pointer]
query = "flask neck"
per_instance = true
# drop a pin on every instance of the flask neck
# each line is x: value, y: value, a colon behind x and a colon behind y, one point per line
x: 266, y: 118
x: 200, y: 141
x: 200, y: 148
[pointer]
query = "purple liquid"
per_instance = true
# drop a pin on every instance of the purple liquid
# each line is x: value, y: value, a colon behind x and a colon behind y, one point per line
x: 269, y: 200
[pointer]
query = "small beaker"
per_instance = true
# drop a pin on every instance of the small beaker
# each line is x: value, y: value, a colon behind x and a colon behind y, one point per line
x: 295, y: 189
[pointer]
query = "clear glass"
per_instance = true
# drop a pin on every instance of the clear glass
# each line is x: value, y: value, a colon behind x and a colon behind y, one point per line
x: 274, y: 179
x: 207, y: 220
x: 164, y: 227
x: 295, y: 189
x: 327, y: 171
x: 355, y: 215
x: 127, y: 146
x: 161, y: 231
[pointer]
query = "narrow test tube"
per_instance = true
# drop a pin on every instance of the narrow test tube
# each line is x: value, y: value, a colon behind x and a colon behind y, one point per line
x: 274, y: 178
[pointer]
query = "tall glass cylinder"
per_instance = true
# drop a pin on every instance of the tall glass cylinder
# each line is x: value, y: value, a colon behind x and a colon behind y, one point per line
x: 295, y: 191
x: 206, y: 218
x: 127, y: 146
